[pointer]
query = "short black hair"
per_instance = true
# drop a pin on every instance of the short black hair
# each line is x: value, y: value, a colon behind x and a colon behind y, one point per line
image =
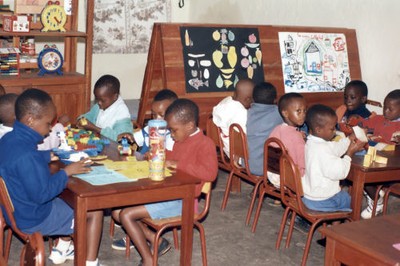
x: 33, y: 101
x: 110, y: 82
x: 7, y: 105
x: 359, y: 85
x: 393, y: 95
x: 184, y: 110
x: 264, y: 93
x: 317, y: 114
x: 287, y: 99
x: 165, y: 94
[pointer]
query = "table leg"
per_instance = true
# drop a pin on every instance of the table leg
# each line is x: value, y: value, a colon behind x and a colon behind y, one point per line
x: 187, y: 227
x: 330, y: 259
x: 80, y: 211
x: 358, y: 179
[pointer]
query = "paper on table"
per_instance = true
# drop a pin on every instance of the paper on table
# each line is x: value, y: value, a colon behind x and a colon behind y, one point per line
x: 360, y: 134
x: 100, y: 175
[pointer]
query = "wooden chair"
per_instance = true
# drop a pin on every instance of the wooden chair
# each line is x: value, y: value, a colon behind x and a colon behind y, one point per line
x: 175, y: 222
x: 239, y: 160
x: 32, y: 253
x: 291, y: 193
x: 214, y: 132
x: 272, y: 156
x: 393, y: 189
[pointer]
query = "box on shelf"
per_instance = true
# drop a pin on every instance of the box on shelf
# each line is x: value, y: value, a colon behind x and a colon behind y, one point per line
x: 9, y: 61
x: 16, y: 23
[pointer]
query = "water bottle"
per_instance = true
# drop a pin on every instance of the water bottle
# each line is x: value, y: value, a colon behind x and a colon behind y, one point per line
x: 157, y: 133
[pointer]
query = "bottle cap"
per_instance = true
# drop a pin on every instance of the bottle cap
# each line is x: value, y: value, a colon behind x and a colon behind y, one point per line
x: 157, y: 123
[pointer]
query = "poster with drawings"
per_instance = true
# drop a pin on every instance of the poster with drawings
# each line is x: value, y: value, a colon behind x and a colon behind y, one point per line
x: 314, y: 62
x: 215, y: 59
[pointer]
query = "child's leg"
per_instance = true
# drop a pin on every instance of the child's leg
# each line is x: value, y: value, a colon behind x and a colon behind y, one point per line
x: 94, y: 230
x: 130, y: 219
x: 371, y: 190
x: 115, y: 215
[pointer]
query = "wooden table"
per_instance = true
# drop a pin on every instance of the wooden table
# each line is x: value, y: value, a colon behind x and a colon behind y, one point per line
x: 366, y: 242
x: 84, y: 197
x: 376, y: 173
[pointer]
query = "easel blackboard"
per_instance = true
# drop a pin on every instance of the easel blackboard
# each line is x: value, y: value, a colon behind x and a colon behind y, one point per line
x: 165, y: 68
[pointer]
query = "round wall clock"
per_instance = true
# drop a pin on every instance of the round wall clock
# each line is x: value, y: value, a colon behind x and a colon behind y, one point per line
x: 53, y: 17
x: 50, y: 60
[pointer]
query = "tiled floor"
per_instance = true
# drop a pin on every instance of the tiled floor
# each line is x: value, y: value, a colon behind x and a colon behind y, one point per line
x: 229, y: 241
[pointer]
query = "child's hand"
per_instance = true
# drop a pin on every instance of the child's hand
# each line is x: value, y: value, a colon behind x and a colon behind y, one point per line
x: 81, y: 167
x: 171, y: 165
x: 53, y: 157
x: 354, y: 147
x: 128, y: 136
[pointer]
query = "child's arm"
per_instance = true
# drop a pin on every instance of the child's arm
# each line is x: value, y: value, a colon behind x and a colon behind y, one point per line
x: 120, y: 126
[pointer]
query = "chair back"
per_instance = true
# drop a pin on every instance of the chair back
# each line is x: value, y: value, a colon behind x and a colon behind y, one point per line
x: 8, y: 207
x: 32, y: 253
x: 238, y: 150
x: 273, y: 149
x: 291, y: 186
x: 206, y: 190
x: 214, y: 132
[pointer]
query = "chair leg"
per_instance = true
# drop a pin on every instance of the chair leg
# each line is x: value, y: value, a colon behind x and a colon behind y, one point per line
x: 291, y: 226
x: 258, y: 210
x: 308, y: 243
x: 253, y: 200
x: 127, y: 246
x: 155, y: 246
x: 385, y: 201
x: 176, y: 240
x: 227, y: 190
x: 112, y: 227
x: 8, y: 244
x: 376, y: 200
x: 203, y: 242
x: 282, y: 228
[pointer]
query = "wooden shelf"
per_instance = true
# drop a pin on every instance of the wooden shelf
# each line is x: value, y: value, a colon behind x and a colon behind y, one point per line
x: 45, y: 34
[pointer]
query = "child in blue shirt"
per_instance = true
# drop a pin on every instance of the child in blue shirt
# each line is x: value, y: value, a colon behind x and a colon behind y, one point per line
x: 32, y: 188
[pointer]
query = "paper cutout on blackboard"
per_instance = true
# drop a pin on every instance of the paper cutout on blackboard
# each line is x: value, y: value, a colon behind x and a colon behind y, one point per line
x: 215, y: 59
x: 314, y: 62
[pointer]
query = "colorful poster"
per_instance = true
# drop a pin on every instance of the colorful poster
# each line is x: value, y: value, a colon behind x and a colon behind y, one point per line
x: 215, y: 59
x: 314, y: 62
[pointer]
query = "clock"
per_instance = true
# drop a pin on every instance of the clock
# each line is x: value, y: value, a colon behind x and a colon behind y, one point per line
x: 53, y: 17
x: 50, y: 61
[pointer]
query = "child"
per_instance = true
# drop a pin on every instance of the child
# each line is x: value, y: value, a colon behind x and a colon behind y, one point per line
x: 262, y: 117
x: 33, y: 189
x: 292, y: 108
x: 110, y: 115
x: 353, y: 110
x: 192, y: 153
x: 161, y: 101
x: 384, y: 128
x: 7, y: 113
x: 325, y: 166
x: 233, y: 109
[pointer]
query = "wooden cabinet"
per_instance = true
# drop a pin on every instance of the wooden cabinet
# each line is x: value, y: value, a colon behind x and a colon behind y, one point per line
x: 70, y: 91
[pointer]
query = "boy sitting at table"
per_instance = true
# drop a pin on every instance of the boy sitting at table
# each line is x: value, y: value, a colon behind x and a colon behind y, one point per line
x: 33, y: 189
x: 110, y: 115
x: 161, y: 101
x: 192, y: 153
x: 382, y: 128
x: 327, y: 162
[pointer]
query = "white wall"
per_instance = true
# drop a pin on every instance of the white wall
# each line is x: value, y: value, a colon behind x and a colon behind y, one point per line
x: 375, y: 21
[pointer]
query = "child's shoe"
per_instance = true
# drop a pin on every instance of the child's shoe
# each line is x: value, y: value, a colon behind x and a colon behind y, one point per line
x: 367, y: 212
x: 120, y: 244
x: 58, y: 257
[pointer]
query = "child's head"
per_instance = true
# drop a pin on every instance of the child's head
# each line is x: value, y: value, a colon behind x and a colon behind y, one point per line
x: 321, y: 121
x: 264, y: 93
x: 161, y: 101
x: 182, y: 117
x: 35, y: 109
x: 355, y: 94
x: 2, y: 90
x: 7, y: 109
x: 391, y: 105
x: 244, y: 92
x: 106, y: 91
x: 292, y: 108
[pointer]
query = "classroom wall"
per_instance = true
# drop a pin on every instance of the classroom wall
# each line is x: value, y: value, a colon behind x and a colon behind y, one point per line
x: 375, y: 21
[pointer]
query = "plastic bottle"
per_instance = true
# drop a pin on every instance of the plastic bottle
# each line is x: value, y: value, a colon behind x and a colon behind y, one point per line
x: 157, y: 133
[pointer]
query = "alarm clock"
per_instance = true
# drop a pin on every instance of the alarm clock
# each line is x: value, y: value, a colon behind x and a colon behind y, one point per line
x: 53, y: 17
x: 50, y: 61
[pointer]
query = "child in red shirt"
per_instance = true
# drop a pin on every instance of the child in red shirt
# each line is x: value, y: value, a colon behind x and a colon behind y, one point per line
x: 383, y: 129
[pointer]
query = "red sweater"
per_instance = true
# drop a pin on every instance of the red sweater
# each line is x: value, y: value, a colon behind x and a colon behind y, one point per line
x: 381, y: 127
x: 196, y: 156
